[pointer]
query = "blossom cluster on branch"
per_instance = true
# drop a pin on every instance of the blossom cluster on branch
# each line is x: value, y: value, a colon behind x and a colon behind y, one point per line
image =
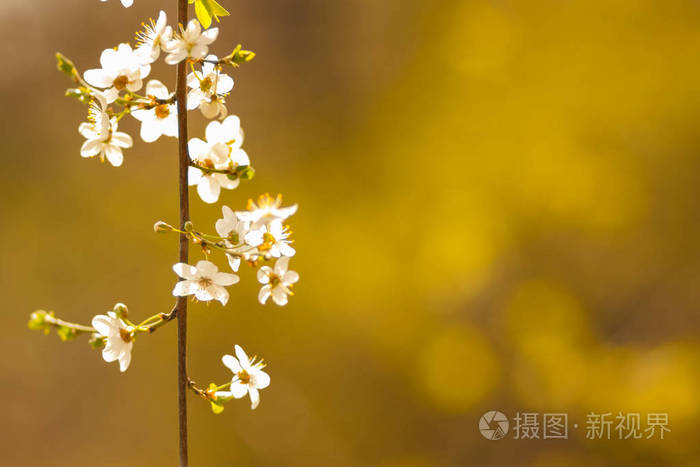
x: 257, y: 236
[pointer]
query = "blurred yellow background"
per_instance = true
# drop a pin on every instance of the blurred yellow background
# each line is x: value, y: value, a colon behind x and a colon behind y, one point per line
x: 499, y: 209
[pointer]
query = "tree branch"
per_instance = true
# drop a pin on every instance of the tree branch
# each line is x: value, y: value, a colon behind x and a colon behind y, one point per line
x: 184, y: 160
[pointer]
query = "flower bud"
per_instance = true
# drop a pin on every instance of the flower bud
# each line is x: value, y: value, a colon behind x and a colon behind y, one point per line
x: 121, y: 310
x: 188, y: 226
x: 64, y: 65
x: 239, y: 55
x: 161, y: 227
x: 97, y: 341
x: 37, y: 321
x: 245, y: 172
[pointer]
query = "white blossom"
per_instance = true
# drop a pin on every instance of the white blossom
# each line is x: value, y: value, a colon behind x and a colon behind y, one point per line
x: 271, y: 239
x: 204, y: 281
x: 277, y: 282
x: 208, y: 88
x: 248, y: 377
x: 121, y: 69
x: 215, y: 107
x: 234, y: 231
x: 153, y: 38
x: 102, y: 137
x: 221, y: 151
x: 266, y: 210
x: 160, y: 119
x: 191, y: 42
x: 119, y: 338
x: 126, y: 3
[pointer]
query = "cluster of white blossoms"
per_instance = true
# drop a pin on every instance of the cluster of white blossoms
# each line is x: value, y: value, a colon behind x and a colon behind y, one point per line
x: 257, y: 235
x: 251, y: 235
x: 121, y: 76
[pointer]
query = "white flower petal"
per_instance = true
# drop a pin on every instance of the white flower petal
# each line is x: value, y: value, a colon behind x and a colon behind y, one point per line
x: 114, y: 155
x: 242, y: 357
x: 123, y: 140
x: 219, y: 293
x: 281, y: 266
x: 99, y: 78
x: 186, y: 271
x: 125, y: 358
x: 264, y: 274
x: 290, y: 277
x: 254, y: 398
x: 203, y: 294
x: 225, y: 278
x: 103, y: 325
x: 265, y: 292
x: 91, y: 148
x: 185, y: 288
x: 231, y: 363
x: 234, y: 262
x: 209, y: 36
x: 279, y: 296
x: 157, y: 89
x: 108, y: 355
x: 262, y: 379
x: 208, y: 189
x: 206, y: 268
x: 239, y: 389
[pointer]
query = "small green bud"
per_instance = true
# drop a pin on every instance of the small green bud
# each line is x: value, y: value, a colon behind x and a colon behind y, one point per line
x: 217, y: 402
x: 66, y: 333
x: 245, y: 172
x: 65, y: 65
x: 96, y: 341
x: 82, y: 94
x: 161, y: 227
x: 37, y: 321
x: 238, y: 56
x: 121, y: 310
x: 216, y: 407
x: 188, y: 226
x: 241, y: 56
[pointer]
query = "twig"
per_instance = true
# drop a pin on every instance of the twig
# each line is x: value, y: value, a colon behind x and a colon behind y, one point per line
x: 184, y: 159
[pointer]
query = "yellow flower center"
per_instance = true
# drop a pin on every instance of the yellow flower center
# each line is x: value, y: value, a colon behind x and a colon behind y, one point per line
x: 162, y: 111
x: 243, y: 376
x: 205, y: 85
x: 274, y: 279
x: 205, y: 282
x: 268, y: 241
x: 208, y: 163
x: 120, y: 82
x: 125, y: 335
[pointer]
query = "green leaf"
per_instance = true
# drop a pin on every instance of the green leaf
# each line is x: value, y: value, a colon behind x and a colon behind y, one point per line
x: 208, y: 9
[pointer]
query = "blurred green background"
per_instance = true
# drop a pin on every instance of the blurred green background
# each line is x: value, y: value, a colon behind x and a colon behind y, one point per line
x: 499, y: 209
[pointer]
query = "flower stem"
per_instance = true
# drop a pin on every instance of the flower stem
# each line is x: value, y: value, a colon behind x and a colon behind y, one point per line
x: 59, y: 322
x: 206, y: 393
x: 184, y: 160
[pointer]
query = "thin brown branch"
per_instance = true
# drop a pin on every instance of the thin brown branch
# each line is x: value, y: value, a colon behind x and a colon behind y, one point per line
x: 184, y: 159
